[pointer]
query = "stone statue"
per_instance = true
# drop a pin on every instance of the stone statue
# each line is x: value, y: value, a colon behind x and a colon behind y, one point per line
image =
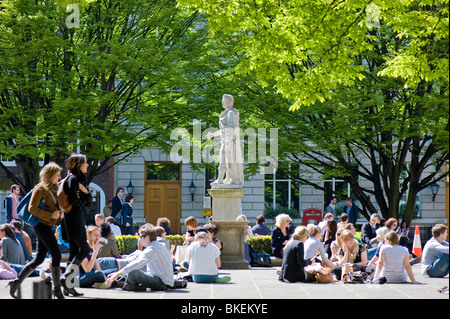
x: 231, y: 161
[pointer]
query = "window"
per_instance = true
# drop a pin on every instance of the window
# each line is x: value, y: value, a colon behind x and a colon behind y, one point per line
x: 280, y: 195
x: 163, y: 172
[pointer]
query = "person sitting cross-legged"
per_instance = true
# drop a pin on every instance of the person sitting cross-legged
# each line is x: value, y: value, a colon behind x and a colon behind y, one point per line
x: 204, y: 260
x: 159, y: 273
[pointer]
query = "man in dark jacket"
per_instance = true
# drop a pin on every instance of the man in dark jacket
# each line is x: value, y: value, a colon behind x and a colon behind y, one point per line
x: 368, y: 230
x: 117, y: 202
x: 351, y: 210
x: 260, y: 229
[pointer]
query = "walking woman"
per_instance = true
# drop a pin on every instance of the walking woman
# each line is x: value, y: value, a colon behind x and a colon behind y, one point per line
x: 72, y: 225
x: 49, y: 216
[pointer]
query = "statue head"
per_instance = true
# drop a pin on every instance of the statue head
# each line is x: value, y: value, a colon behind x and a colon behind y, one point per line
x: 227, y: 100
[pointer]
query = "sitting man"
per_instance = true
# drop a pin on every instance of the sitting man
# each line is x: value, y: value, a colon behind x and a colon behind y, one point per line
x: 435, y: 253
x: 159, y: 273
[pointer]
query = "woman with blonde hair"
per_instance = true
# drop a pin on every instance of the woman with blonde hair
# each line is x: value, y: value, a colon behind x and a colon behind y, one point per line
x: 280, y: 234
x: 351, y: 252
x: 204, y: 260
x: 314, y: 247
x: 335, y: 245
x: 292, y: 268
x: 49, y: 216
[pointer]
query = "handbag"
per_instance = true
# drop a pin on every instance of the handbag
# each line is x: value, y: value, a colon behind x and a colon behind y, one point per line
x: 24, y: 213
x: 119, y: 217
x: 260, y: 259
x: 63, y: 198
x: 357, y: 277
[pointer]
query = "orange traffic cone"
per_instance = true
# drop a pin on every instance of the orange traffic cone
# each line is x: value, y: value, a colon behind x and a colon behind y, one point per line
x: 417, y: 245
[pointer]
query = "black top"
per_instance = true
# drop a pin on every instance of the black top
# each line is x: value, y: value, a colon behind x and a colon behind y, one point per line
x: 293, y: 265
x: 277, y: 241
x: 72, y: 225
x: 367, y: 233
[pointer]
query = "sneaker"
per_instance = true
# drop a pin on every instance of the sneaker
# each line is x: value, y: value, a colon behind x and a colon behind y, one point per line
x: 102, y: 285
x: 415, y: 261
x: 133, y: 287
x: 223, y: 280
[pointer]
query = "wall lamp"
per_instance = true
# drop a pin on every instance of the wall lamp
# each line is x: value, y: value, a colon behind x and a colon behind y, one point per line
x: 434, y: 189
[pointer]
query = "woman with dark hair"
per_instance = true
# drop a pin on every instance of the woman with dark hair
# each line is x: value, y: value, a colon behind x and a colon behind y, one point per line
x: 49, y: 216
x: 330, y: 236
x: 11, y: 251
x: 127, y: 212
x: 73, y: 223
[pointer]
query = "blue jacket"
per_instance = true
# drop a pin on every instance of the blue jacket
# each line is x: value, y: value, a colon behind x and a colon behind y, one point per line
x: 8, y: 207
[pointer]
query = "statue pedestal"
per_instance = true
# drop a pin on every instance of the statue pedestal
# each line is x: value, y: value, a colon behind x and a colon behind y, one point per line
x: 232, y: 236
x: 226, y: 206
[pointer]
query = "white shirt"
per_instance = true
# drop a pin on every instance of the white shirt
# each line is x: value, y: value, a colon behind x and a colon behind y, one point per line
x: 115, y: 230
x: 203, y: 259
x: 313, y: 246
x: 158, y: 261
x: 393, y: 268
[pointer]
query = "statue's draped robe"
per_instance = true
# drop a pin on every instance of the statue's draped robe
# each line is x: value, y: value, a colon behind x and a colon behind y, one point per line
x: 230, y: 155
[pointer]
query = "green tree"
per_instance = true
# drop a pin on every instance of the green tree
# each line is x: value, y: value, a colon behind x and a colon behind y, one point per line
x: 107, y: 87
x: 366, y: 79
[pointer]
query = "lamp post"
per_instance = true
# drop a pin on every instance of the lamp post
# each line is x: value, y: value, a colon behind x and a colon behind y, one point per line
x: 192, y: 189
x: 130, y: 188
x: 434, y: 189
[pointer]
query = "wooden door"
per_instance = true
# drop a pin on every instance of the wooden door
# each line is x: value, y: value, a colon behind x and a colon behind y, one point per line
x: 163, y: 199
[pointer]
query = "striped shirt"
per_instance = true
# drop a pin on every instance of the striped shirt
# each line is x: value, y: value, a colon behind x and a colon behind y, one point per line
x: 158, y: 261
x: 393, y: 268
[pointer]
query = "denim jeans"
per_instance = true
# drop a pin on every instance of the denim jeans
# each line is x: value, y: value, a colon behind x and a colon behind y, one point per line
x: 204, y: 279
x: 139, y: 277
x: 439, y: 268
x: 371, y: 253
x: 108, y: 263
x: 87, y: 280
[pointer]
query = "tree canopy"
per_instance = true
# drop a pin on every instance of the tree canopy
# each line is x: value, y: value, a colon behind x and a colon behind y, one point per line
x: 106, y: 79
x: 343, y: 81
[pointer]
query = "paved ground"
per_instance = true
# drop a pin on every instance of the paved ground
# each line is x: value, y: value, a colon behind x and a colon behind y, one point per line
x: 261, y: 284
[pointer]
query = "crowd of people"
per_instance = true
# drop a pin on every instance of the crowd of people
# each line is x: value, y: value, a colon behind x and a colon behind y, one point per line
x: 95, y: 261
x: 381, y: 252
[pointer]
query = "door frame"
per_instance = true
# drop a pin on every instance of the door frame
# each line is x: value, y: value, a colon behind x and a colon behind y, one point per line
x: 175, y: 224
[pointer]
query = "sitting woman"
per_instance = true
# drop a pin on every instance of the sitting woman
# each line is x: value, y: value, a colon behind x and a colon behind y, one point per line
x: 91, y: 273
x: 280, y: 234
x: 314, y: 247
x: 335, y: 245
x: 108, y: 246
x: 6, y: 271
x: 204, y: 260
x: 393, y: 265
x: 293, y: 267
x: 352, y: 252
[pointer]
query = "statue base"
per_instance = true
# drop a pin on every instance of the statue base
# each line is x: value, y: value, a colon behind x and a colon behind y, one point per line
x: 232, y: 235
x: 226, y: 203
x: 226, y: 206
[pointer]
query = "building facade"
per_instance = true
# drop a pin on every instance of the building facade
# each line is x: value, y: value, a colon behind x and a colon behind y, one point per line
x: 164, y: 189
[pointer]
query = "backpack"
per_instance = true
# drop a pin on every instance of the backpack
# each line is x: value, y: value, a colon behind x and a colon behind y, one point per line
x: 24, y: 213
x: 63, y: 198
